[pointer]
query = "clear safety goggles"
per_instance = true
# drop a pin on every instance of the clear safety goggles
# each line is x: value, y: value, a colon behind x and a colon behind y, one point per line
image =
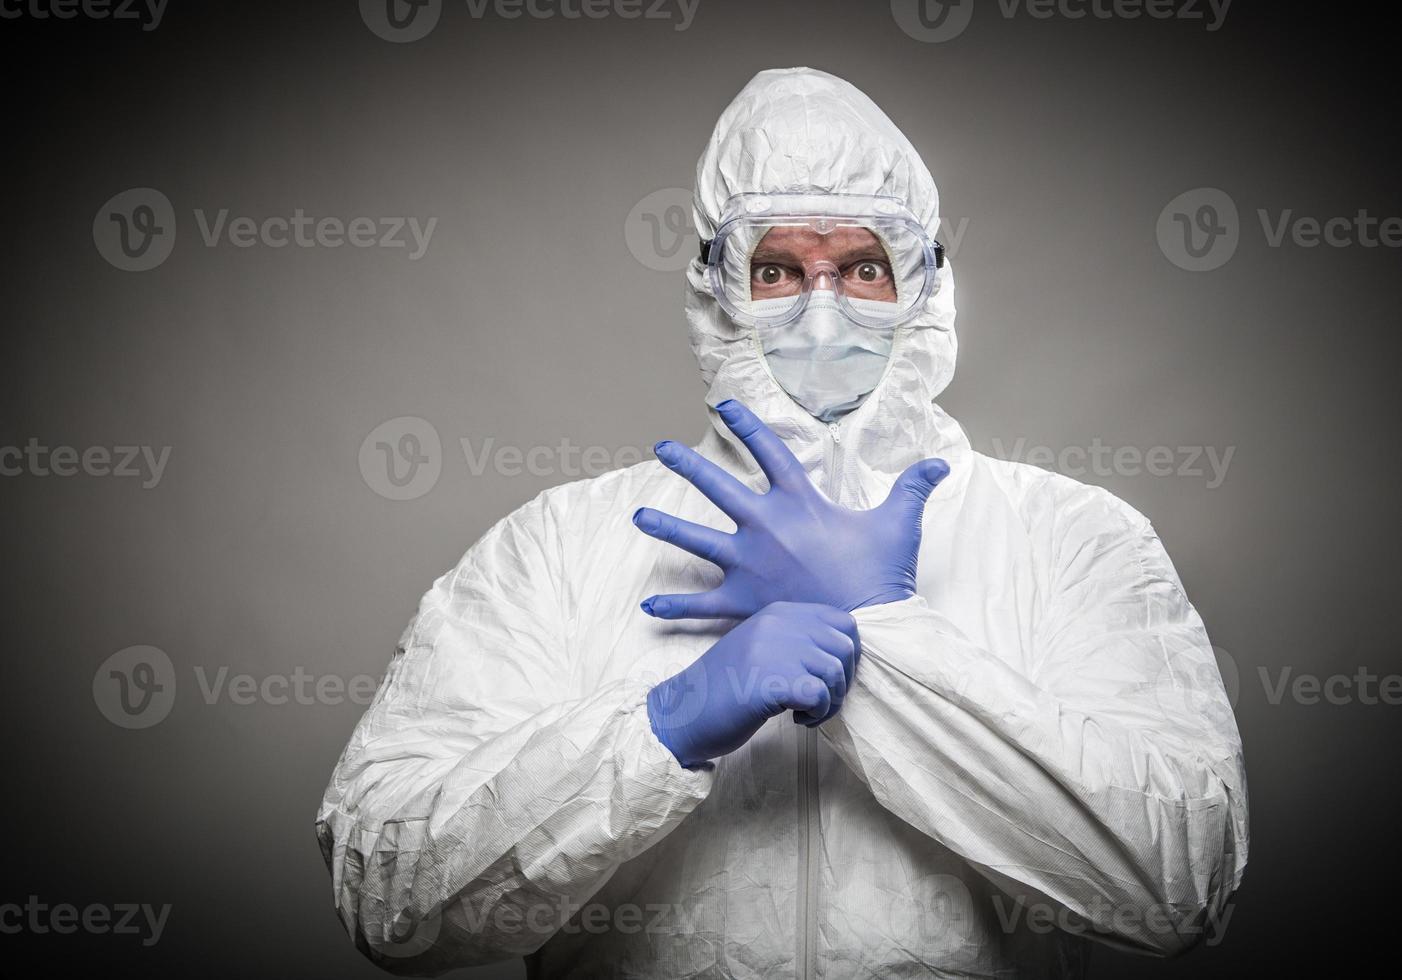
x: 771, y: 251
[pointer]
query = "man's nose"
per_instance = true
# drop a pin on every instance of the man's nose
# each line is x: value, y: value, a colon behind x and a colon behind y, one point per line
x: 824, y: 279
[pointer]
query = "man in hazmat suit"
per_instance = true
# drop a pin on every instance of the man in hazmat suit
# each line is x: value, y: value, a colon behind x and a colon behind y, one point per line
x: 1012, y: 737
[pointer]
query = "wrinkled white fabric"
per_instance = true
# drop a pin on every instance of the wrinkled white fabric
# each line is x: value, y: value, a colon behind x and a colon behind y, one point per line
x: 1042, y: 724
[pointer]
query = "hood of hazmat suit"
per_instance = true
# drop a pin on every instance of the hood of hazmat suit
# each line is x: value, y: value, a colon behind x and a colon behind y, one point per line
x: 1037, y: 754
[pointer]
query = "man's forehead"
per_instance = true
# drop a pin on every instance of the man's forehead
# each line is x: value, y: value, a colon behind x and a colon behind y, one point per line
x: 803, y: 240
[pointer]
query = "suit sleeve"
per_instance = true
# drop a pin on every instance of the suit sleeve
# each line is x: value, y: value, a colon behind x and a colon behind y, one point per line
x: 1102, y: 781
x: 483, y: 797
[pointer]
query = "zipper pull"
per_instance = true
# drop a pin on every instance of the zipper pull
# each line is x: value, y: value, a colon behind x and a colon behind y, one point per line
x: 836, y: 432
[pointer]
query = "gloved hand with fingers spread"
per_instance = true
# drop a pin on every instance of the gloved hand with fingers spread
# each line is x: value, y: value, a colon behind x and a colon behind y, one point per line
x: 791, y: 544
x: 788, y: 656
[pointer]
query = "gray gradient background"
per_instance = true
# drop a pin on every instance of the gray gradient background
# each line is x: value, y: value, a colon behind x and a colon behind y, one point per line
x: 529, y: 320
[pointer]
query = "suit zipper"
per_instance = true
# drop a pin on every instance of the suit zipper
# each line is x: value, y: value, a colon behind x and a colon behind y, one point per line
x: 808, y: 817
x: 808, y: 856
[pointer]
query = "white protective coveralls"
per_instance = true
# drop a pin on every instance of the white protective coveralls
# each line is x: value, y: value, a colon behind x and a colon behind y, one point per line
x: 1039, y: 736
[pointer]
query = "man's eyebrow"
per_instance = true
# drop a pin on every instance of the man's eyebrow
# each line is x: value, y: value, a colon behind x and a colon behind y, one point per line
x: 867, y: 251
x: 768, y: 253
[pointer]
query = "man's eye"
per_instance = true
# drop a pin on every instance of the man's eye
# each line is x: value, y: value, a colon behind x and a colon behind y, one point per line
x: 769, y: 275
x: 871, y: 271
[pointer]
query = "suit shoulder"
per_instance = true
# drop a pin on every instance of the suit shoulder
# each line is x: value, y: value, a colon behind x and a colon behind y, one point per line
x: 609, y: 488
x: 1042, y: 496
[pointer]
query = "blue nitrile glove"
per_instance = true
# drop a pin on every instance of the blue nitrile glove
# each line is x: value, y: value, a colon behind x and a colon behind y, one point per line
x: 791, y: 544
x: 788, y: 656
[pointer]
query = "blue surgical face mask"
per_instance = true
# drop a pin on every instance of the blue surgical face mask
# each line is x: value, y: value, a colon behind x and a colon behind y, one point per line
x: 825, y: 361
